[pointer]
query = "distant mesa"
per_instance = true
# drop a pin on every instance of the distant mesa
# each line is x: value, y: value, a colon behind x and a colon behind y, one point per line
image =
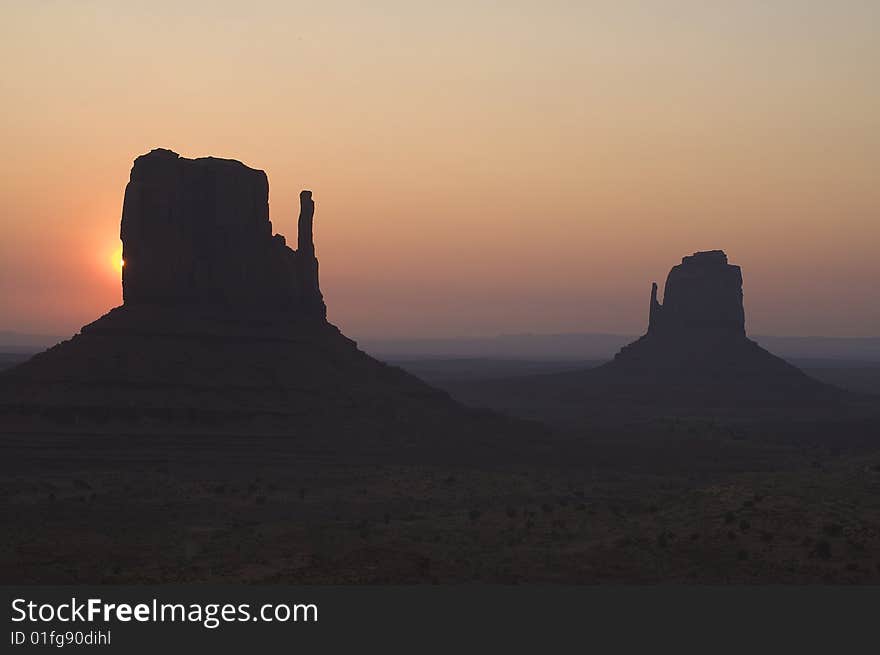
x: 694, y: 359
x: 698, y: 335
x: 703, y: 296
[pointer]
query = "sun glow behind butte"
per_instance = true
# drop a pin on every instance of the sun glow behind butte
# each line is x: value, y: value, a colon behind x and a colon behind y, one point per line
x: 478, y: 168
x: 117, y: 261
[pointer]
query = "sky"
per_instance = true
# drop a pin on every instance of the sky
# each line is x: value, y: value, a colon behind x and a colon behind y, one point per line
x: 478, y: 167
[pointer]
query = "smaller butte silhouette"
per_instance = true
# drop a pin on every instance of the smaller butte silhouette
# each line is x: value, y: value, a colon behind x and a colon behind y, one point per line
x: 694, y: 359
x: 700, y: 327
x: 221, y: 322
x: 696, y: 352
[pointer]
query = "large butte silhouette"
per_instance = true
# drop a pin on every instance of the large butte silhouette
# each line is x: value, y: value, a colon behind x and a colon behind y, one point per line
x: 221, y: 322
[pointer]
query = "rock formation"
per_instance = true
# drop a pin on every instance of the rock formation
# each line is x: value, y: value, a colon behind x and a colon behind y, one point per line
x: 703, y: 295
x: 221, y: 322
x: 700, y: 326
x: 694, y: 359
x: 197, y: 232
x: 696, y: 348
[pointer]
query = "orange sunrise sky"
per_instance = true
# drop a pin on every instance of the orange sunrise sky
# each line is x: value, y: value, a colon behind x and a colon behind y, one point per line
x: 478, y: 167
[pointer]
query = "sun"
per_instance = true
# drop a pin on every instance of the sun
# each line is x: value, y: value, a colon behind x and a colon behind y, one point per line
x: 116, y: 260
